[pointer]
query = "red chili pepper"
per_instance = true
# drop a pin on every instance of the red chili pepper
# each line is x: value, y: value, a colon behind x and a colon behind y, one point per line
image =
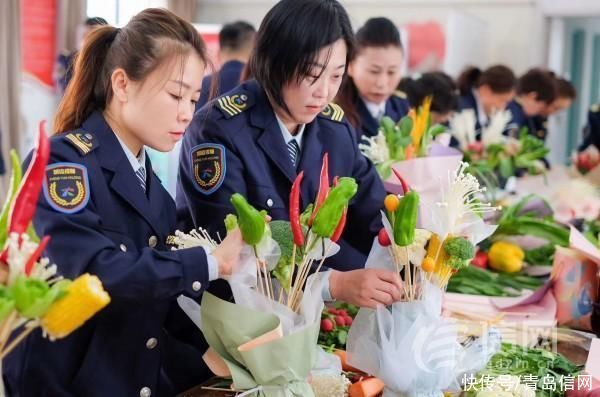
x: 323, y: 187
x: 25, y: 204
x: 295, y: 211
x: 340, y: 227
x: 405, y: 188
x: 36, y: 255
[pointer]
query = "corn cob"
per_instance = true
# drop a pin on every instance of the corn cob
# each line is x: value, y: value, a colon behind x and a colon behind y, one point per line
x: 85, y: 297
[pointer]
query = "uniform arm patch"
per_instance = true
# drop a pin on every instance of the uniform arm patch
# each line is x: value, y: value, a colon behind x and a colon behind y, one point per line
x: 208, y: 162
x: 67, y: 187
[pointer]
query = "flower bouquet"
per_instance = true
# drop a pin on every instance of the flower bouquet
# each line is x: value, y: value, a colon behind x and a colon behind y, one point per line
x: 410, y: 148
x: 267, y: 341
x: 409, y: 345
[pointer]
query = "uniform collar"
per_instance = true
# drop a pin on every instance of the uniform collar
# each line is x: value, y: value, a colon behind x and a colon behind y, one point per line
x: 376, y: 110
x: 481, y: 115
x: 136, y: 162
x: 287, y: 136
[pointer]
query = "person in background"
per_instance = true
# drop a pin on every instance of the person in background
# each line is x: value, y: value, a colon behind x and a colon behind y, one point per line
x: 565, y: 95
x: 65, y: 61
x: 437, y: 85
x: 369, y: 91
x: 536, y: 91
x: 236, y: 41
x: 485, y: 92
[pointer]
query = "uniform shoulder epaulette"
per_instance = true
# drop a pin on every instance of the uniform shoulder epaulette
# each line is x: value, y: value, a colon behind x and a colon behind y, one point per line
x: 595, y: 108
x: 400, y: 94
x: 333, y: 112
x: 82, y: 140
x: 234, y: 104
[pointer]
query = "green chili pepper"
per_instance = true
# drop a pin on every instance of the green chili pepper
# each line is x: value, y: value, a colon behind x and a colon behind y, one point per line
x: 333, y: 208
x: 250, y: 220
x: 15, y: 181
x: 406, y: 219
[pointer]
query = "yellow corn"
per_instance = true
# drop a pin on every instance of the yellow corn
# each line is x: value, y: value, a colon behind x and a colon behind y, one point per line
x: 85, y: 297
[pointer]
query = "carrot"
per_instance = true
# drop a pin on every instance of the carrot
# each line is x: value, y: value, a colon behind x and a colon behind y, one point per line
x: 370, y: 387
x: 344, y: 359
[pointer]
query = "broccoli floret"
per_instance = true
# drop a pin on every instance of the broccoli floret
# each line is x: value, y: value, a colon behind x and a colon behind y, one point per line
x: 460, y: 252
x: 282, y: 233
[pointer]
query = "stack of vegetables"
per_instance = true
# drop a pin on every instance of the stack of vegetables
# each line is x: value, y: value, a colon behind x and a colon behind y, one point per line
x: 31, y: 294
x: 499, y: 263
x: 409, y: 138
x: 520, y: 371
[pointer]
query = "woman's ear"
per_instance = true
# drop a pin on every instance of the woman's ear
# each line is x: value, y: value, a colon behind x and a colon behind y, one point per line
x: 121, y: 85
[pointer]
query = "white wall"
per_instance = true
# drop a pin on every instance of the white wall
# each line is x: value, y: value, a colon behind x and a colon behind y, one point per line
x: 516, y: 28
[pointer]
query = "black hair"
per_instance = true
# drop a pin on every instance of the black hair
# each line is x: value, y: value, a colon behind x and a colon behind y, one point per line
x: 565, y: 89
x: 538, y: 81
x: 378, y: 32
x: 501, y: 79
x: 95, y: 21
x: 290, y: 38
x: 237, y: 36
x: 438, y: 85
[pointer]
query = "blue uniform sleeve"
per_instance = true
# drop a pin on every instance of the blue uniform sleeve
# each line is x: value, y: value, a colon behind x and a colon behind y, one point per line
x: 208, y: 210
x: 79, y: 244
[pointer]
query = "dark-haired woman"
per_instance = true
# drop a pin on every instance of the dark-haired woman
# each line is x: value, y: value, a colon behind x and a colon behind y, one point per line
x: 258, y: 137
x: 369, y: 91
x: 133, y: 87
x: 536, y: 91
x: 437, y: 85
x: 486, y: 92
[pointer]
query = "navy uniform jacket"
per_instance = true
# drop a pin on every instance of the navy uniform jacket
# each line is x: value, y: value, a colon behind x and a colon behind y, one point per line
x: 592, y: 129
x: 519, y: 120
x: 234, y: 144
x: 64, y: 69
x: 108, y: 227
x: 229, y: 77
x: 396, y: 107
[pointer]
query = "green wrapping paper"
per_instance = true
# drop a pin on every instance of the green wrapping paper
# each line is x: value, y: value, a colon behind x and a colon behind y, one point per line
x: 278, y: 368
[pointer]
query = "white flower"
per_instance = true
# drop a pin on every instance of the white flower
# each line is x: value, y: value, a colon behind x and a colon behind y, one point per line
x: 494, y: 132
x: 459, y: 210
x: 375, y: 148
x: 19, y: 254
x: 462, y: 126
x: 195, y: 238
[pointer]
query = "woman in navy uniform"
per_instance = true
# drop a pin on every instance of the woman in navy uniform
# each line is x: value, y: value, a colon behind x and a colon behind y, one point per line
x: 369, y: 91
x: 536, y: 90
x: 132, y: 87
x: 485, y: 92
x: 565, y: 95
x: 437, y: 85
x: 255, y: 139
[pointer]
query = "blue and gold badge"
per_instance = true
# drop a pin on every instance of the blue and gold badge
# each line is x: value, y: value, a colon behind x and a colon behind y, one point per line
x: 67, y: 187
x: 208, y: 167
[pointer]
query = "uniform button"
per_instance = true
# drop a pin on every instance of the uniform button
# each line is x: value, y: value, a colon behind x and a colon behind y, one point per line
x: 151, y: 343
x: 123, y: 247
x: 196, y: 286
x: 152, y: 241
x: 269, y: 203
x: 145, y: 392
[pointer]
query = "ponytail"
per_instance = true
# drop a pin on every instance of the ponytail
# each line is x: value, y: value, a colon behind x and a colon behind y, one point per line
x: 468, y: 80
x: 89, y: 88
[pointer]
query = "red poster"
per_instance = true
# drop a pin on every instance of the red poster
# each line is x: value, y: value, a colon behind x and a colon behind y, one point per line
x: 38, y: 39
